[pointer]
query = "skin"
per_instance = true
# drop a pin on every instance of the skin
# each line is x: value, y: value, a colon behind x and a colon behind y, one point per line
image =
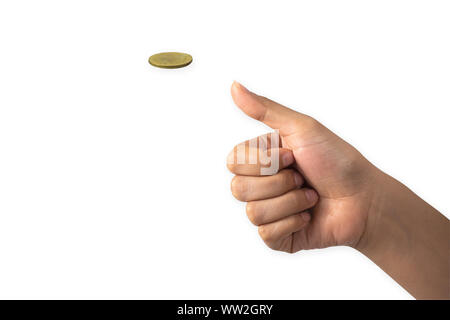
x: 326, y: 193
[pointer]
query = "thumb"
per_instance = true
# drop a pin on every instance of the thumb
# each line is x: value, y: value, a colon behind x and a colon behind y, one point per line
x: 267, y: 111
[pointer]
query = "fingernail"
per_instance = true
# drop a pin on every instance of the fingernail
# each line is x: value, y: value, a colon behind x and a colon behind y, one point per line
x: 298, y: 179
x: 287, y: 159
x: 311, y: 195
x: 306, y: 216
x: 239, y: 85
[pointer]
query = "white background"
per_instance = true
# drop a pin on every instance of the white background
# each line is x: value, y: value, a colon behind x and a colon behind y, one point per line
x: 113, y: 181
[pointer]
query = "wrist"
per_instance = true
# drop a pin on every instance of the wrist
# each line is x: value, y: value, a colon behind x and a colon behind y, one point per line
x: 408, y: 239
x: 383, y: 226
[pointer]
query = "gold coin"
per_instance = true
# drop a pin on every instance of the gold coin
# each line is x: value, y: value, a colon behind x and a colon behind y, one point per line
x: 170, y: 60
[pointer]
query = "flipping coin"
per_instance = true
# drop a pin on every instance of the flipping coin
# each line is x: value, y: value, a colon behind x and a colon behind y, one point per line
x: 170, y: 60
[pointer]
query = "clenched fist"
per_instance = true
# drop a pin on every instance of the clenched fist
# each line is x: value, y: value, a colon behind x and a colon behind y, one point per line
x: 320, y: 195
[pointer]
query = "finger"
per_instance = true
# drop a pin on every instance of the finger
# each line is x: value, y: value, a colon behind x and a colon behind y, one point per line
x: 243, y: 160
x: 276, y: 233
x: 271, y: 113
x: 270, y: 210
x: 246, y: 188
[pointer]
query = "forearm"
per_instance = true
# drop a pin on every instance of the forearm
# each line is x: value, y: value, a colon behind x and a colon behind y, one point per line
x: 409, y: 240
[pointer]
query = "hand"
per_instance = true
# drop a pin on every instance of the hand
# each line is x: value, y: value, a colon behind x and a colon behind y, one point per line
x: 339, y: 195
x: 326, y: 193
